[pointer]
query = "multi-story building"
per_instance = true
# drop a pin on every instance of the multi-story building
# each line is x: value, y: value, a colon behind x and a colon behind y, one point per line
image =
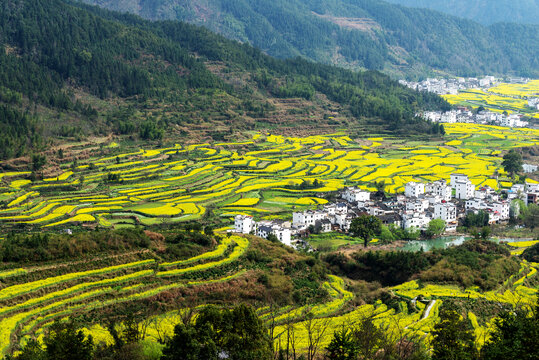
x: 457, y: 177
x: 502, y: 208
x: 353, y: 195
x: 439, y: 188
x: 244, y: 224
x: 476, y: 204
x: 283, y: 234
x: 307, y: 218
x: 464, y: 189
x: 415, y: 220
x: 448, y: 213
x: 418, y: 205
x: 532, y: 187
x: 414, y: 189
x: 324, y: 225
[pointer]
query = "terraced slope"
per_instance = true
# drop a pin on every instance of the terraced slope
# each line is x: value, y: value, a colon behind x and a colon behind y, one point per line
x: 26, y: 307
x: 268, y: 176
x: 414, y: 318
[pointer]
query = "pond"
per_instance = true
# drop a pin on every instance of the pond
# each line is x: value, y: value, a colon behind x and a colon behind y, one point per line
x: 446, y: 241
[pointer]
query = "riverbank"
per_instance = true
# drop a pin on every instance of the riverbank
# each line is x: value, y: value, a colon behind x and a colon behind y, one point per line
x: 504, y: 231
x: 421, y: 245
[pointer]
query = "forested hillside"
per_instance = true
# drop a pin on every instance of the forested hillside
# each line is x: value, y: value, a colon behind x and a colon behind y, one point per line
x: 67, y: 72
x: 483, y: 11
x: 371, y: 34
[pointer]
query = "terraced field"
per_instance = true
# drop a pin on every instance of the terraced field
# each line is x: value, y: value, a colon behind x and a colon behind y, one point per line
x: 27, y: 307
x: 32, y: 298
x: 504, y: 97
x: 419, y: 322
x: 404, y: 321
x: 265, y: 177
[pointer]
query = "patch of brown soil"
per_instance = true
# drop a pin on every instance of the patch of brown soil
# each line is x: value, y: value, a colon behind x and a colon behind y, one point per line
x: 361, y: 24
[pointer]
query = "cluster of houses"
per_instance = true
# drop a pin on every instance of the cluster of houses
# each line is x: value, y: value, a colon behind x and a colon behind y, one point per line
x: 414, y: 209
x: 534, y: 103
x: 463, y: 115
x: 450, y: 86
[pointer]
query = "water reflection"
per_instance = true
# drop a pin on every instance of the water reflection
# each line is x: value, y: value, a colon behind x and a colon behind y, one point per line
x: 445, y: 242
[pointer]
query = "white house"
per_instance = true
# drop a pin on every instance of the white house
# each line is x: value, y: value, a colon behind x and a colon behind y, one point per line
x: 332, y: 209
x: 433, y: 116
x: 434, y: 199
x: 419, y: 205
x: 533, y: 103
x: 283, y: 234
x: 493, y: 217
x: 307, y: 218
x: 528, y: 168
x: 518, y: 188
x: 449, y: 117
x: 352, y: 195
x: 341, y: 208
x: 439, y: 188
x: 464, y: 189
x: 414, y: 189
x: 502, y: 208
x: 445, y: 211
x: 343, y: 220
x: 415, y: 220
x: 486, y: 192
x: 448, y: 213
x: 476, y: 204
x: 531, y: 187
x: 244, y: 224
x: 325, y: 225
x: 329, y: 209
x: 517, y: 191
x: 498, y: 210
x: 457, y: 177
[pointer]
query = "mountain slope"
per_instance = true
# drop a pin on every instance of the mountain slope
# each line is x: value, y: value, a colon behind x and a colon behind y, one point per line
x: 357, y: 33
x: 483, y: 11
x: 69, y: 72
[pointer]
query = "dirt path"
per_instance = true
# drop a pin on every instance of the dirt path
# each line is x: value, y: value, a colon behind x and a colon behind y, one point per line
x: 428, y: 310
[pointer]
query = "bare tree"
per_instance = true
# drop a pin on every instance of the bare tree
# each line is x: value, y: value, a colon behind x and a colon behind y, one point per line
x: 316, y: 330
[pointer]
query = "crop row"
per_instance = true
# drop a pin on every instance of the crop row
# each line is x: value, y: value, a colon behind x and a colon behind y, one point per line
x: 179, y: 189
x: 240, y: 248
x: 219, y: 251
x: 25, y: 288
x: 62, y: 302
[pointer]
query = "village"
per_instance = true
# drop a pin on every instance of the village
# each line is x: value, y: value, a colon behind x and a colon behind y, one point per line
x: 415, y: 209
x: 484, y: 117
x: 453, y: 86
x: 463, y: 114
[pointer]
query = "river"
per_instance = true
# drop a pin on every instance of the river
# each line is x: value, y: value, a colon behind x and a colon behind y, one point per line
x: 446, y: 241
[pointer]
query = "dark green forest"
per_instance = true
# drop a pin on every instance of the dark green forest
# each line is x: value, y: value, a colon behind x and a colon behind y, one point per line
x: 483, y: 11
x: 370, y: 34
x: 65, y: 58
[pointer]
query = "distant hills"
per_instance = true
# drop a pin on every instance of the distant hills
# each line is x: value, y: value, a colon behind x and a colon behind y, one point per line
x: 68, y: 70
x: 369, y: 34
x: 483, y: 11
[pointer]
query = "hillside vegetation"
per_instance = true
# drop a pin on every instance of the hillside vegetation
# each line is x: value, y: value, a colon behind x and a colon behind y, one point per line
x: 131, y: 295
x: 369, y: 34
x: 483, y: 11
x: 67, y: 72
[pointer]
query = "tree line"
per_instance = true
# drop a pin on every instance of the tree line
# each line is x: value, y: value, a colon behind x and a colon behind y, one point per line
x: 238, y: 334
